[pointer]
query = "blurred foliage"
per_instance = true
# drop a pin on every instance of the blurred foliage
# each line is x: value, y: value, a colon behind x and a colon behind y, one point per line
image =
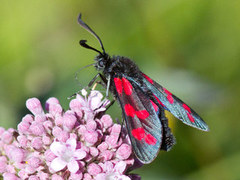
x: 192, y: 47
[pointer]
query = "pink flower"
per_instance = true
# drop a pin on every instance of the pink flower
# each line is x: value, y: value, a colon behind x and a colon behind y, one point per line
x: 3, y: 164
x: 124, y: 151
x: 67, y: 155
x: 113, y: 172
x: 80, y: 143
x: 93, y: 104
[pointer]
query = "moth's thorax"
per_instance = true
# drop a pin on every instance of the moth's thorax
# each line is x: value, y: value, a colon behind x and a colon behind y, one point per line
x: 116, y: 66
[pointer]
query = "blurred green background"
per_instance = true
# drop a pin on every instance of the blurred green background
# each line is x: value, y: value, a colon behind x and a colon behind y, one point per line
x: 192, y: 47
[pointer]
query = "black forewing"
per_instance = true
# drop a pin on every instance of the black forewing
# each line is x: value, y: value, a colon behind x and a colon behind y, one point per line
x: 145, y: 152
x: 187, y: 115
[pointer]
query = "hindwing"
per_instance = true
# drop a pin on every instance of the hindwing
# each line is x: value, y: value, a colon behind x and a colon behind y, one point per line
x: 173, y: 104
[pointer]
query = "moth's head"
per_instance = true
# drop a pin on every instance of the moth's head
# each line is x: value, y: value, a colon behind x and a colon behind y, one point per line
x: 101, y: 61
x: 102, y: 57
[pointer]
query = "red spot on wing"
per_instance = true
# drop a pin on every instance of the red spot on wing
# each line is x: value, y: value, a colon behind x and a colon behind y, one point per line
x: 186, y: 108
x: 118, y: 85
x: 129, y: 110
x: 170, y: 99
x: 190, y: 117
x: 154, y: 106
x: 167, y: 92
x: 138, y: 133
x: 150, y: 139
x: 159, y: 101
x: 148, y: 78
x: 169, y: 96
x: 143, y: 114
x: 127, y: 86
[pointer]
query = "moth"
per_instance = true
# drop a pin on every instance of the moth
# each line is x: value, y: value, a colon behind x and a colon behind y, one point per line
x: 143, y: 102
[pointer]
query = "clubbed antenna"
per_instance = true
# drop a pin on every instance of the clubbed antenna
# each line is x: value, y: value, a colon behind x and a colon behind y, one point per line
x: 83, y: 42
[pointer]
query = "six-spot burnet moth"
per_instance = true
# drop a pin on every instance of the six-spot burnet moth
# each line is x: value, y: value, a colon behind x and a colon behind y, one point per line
x: 143, y: 102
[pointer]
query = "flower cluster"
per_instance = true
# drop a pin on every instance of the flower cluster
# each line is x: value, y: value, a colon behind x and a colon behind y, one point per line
x: 80, y: 143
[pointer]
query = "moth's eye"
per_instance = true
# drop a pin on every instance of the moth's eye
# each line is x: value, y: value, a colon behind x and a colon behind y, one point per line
x: 101, y: 63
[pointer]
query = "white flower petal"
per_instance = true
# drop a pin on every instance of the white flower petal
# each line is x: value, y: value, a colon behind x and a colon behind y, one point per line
x: 58, y: 164
x: 120, y: 167
x: 72, y: 143
x: 81, y: 100
x: 95, y: 93
x: 123, y: 177
x: 108, y: 167
x: 73, y: 166
x: 57, y: 148
x: 95, y: 99
x: 94, y: 103
x: 100, y: 109
x: 101, y: 176
x: 79, y: 154
x: 84, y: 92
x: 105, y: 102
x: 117, y: 177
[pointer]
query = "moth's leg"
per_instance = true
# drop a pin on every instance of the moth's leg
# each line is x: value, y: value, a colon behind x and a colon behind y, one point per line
x: 108, y: 85
x: 95, y: 78
x: 76, y: 74
x: 105, y: 83
x: 122, y: 125
x: 91, y: 83
x: 110, y: 104
x: 100, y: 114
x: 96, y: 83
